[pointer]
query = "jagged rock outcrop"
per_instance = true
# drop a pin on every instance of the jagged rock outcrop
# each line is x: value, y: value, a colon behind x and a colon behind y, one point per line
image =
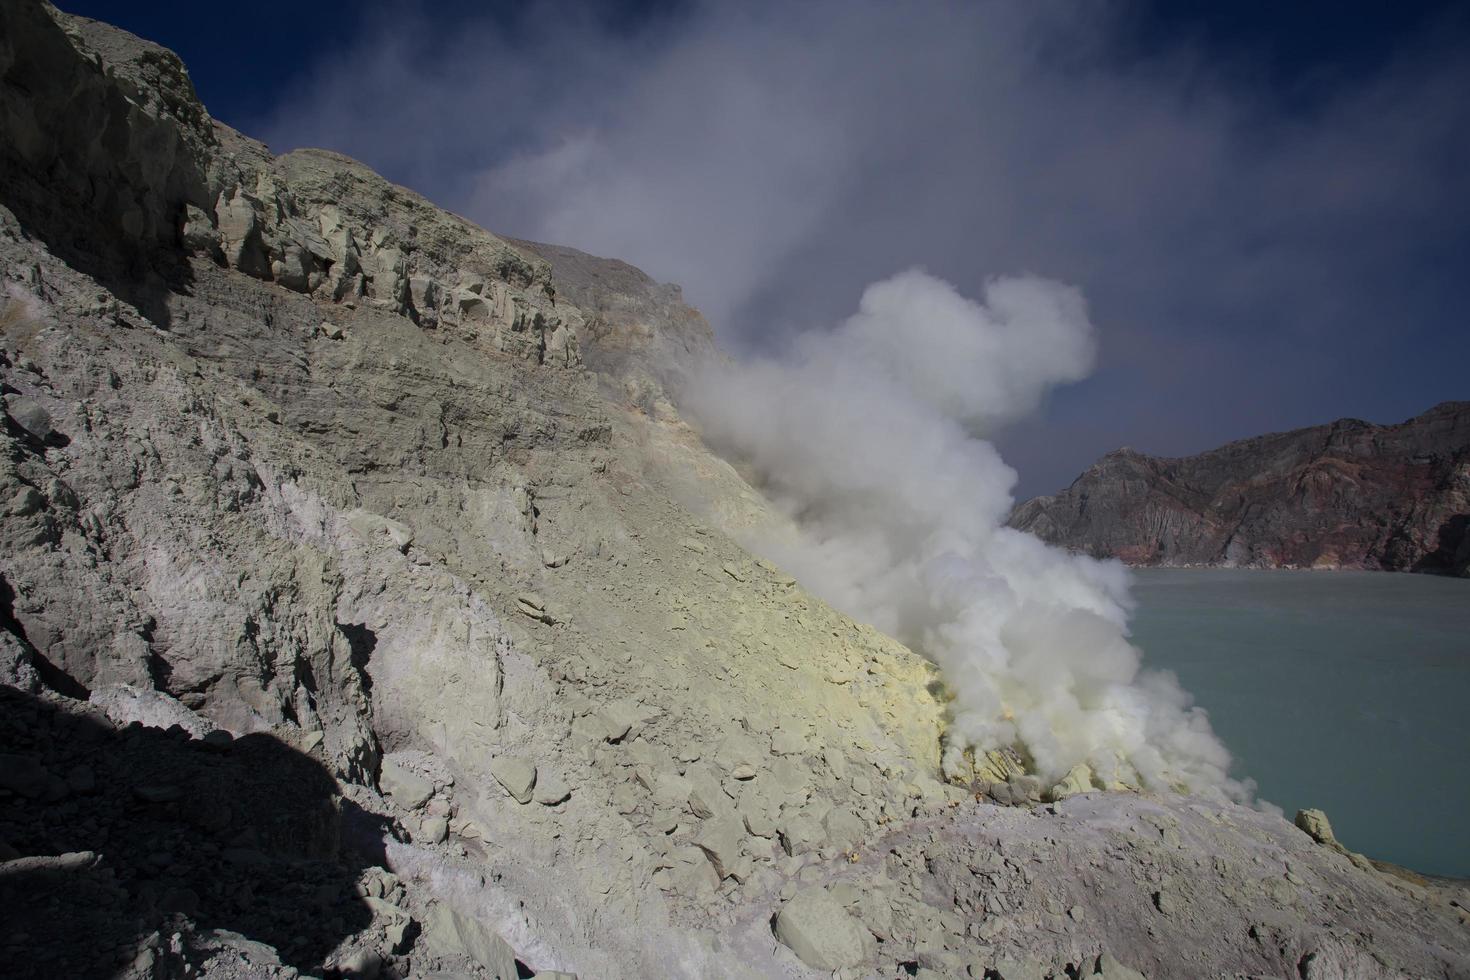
x: 366, y: 609
x: 1346, y: 495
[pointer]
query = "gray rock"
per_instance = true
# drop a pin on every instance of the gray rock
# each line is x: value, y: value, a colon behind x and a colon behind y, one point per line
x: 27, y: 501
x: 448, y: 930
x: 820, y: 932
x: 361, y: 964
x: 1108, y: 968
x: 1015, y: 968
x: 720, y: 839
x: 408, y: 788
x: 1314, y: 824
x: 28, y: 413
x: 516, y: 775
x: 434, y: 830
x: 551, y: 789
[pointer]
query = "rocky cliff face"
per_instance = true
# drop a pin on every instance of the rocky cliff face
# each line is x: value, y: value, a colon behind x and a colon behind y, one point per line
x: 1346, y: 495
x: 356, y: 620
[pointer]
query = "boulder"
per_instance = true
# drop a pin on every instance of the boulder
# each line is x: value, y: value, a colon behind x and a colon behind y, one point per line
x: 1077, y: 780
x: 720, y: 841
x: 820, y: 932
x: 1016, y: 968
x: 455, y: 933
x: 124, y: 704
x: 1314, y: 824
x: 552, y: 789
x: 1108, y: 968
x: 30, y: 415
x: 434, y: 830
x: 408, y: 788
x: 516, y: 775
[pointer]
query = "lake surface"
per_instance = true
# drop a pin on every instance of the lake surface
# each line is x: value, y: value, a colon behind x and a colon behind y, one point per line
x: 1346, y: 691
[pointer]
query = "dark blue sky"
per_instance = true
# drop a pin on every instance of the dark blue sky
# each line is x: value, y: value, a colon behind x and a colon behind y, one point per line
x: 1264, y: 204
x: 245, y: 66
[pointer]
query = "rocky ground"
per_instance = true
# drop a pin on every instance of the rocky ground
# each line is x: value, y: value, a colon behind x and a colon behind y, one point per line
x: 367, y: 609
x: 1346, y: 495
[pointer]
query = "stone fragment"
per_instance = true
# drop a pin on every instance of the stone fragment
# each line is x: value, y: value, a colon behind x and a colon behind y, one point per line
x: 739, y: 749
x: 1016, y: 968
x: 531, y: 604
x: 720, y: 840
x: 28, y: 413
x: 361, y: 964
x: 456, y: 933
x: 844, y: 828
x: 1108, y: 968
x: 820, y: 932
x: 198, y: 234
x: 800, y: 832
x: 408, y: 788
x: 785, y: 742
x: 1078, y: 780
x: 552, y: 789
x: 375, y: 527
x: 27, y: 501
x: 757, y: 821
x: 689, y: 873
x: 668, y: 788
x: 434, y: 830
x: 706, y: 798
x: 620, y: 718
x: 1314, y: 824
x: 516, y: 775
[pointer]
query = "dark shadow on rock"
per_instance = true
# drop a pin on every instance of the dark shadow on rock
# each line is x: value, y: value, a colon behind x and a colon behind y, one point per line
x: 362, y: 641
x: 86, y: 170
x: 164, y: 831
x: 1451, y: 555
x: 50, y: 675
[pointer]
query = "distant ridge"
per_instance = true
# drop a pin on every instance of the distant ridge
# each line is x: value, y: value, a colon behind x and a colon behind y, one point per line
x: 1349, y: 494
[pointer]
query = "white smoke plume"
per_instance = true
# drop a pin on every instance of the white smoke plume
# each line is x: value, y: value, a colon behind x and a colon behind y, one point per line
x: 872, y: 438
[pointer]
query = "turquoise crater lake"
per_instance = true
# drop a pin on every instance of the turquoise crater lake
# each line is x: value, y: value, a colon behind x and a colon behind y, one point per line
x: 1347, y: 691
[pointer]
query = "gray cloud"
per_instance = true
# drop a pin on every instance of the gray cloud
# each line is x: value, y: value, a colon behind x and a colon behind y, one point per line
x: 1251, y: 263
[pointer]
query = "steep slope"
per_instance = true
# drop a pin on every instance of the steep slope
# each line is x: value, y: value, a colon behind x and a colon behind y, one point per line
x: 352, y: 624
x: 1346, y: 495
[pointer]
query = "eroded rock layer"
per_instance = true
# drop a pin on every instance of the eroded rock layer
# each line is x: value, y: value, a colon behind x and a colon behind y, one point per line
x: 1346, y: 495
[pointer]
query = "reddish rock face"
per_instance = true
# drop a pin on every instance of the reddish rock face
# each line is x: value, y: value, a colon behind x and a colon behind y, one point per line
x: 1346, y: 495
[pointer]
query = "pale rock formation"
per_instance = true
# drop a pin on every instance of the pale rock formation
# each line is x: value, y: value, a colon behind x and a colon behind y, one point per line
x: 289, y: 447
